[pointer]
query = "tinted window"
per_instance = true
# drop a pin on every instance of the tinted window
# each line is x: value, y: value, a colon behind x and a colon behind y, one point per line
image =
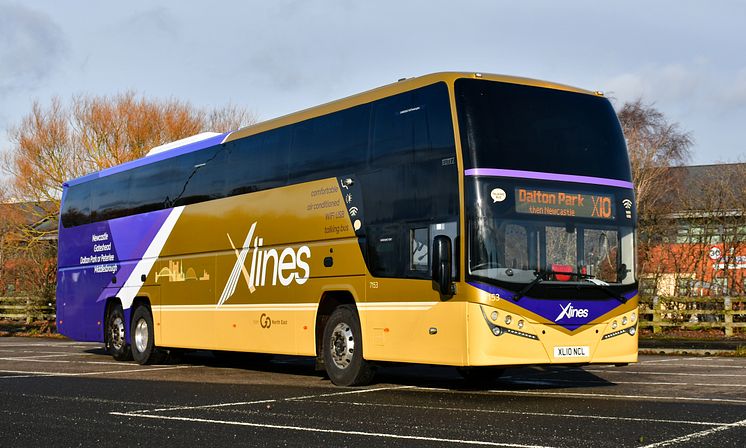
x: 110, y: 196
x: 412, y: 176
x: 76, y: 209
x: 258, y: 162
x: 412, y: 158
x: 333, y: 142
x: 202, y: 176
x: 155, y: 186
x: 518, y: 127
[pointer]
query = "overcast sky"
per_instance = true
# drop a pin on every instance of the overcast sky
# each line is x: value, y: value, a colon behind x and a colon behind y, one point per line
x: 276, y: 57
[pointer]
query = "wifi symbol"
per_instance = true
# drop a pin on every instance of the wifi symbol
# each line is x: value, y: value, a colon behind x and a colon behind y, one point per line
x: 353, y: 211
x: 627, y: 203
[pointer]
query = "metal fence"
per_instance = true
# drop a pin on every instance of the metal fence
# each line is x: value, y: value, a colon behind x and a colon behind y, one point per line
x: 694, y: 313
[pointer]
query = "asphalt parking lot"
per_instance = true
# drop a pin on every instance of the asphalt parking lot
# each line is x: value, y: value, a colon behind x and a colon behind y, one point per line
x: 72, y: 394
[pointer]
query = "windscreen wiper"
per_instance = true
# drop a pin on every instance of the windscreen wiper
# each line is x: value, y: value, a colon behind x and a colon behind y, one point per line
x: 603, y: 286
x: 540, y: 276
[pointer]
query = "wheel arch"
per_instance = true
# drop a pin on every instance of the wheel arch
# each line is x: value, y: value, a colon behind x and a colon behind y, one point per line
x: 330, y: 300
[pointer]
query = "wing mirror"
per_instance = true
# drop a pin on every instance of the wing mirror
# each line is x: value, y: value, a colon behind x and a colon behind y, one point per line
x: 442, y: 264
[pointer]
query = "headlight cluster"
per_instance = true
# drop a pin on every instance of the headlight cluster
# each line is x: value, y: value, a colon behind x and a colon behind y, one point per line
x: 628, y: 325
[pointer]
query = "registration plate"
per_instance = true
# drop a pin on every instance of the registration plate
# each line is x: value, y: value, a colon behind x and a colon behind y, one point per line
x: 580, y: 351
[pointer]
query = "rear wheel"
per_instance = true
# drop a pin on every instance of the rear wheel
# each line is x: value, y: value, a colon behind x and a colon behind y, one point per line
x: 343, y: 349
x: 144, y: 350
x: 115, y: 339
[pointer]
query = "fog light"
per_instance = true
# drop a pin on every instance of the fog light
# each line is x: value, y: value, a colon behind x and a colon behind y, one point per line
x: 624, y: 320
x: 614, y: 325
x: 496, y: 331
x: 508, y: 319
x: 494, y: 315
x: 520, y: 324
x: 632, y: 331
x: 633, y: 317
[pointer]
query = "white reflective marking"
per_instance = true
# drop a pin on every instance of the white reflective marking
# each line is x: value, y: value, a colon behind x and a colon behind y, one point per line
x: 241, y: 403
x: 21, y: 358
x: 633, y: 372
x: 44, y: 374
x: 639, y: 397
x: 328, y: 431
x: 537, y: 414
x: 696, y: 435
x: 133, y: 284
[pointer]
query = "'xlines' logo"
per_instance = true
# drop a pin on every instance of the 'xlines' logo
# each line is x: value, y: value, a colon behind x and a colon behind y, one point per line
x: 570, y: 312
x: 286, y: 266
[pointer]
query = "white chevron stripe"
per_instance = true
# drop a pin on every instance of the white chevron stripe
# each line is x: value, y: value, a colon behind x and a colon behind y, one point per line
x: 133, y: 284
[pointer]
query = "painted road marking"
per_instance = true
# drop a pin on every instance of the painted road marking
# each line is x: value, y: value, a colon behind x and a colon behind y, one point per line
x: 557, y: 381
x: 328, y: 431
x: 35, y: 374
x: 696, y: 435
x: 536, y: 414
x: 59, y: 361
x: 632, y: 372
x: 241, y: 403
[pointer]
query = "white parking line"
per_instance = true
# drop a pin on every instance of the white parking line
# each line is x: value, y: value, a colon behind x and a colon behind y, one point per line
x: 329, y: 431
x: 635, y: 397
x: 662, y: 360
x: 716, y: 366
x: 59, y: 361
x: 21, y: 358
x: 33, y: 374
x: 560, y: 381
x: 536, y: 414
x: 696, y: 435
x: 242, y: 403
x: 633, y: 372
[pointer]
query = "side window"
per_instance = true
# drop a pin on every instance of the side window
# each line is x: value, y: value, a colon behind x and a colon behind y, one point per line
x: 77, y: 207
x: 330, y: 143
x: 412, y: 181
x: 154, y: 186
x: 419, y: 242
x: 393, y: 131
x: 203, y: 176
x: 257, y: 162
x: 111, y: 198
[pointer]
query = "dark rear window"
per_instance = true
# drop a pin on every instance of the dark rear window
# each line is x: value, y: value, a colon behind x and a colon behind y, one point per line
x: 517, y: 127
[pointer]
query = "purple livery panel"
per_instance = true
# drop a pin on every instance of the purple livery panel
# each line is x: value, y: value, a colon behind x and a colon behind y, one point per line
x: 569, y: 314
x: 95, y: 260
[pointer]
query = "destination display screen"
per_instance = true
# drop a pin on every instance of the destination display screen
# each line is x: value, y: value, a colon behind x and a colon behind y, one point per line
x: 535, y: 201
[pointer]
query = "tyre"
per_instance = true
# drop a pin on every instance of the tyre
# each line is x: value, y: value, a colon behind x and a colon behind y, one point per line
x: 343, y: 349
x: 115, y: 339
x: 142, y: 335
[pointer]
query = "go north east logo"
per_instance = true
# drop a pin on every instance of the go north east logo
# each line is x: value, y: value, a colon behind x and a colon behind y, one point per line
x: 287, y: 266
x: 569, y: 312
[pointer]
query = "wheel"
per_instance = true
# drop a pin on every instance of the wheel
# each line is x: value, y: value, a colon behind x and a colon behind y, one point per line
x: 144, y: 350
x: 114, y: 338
x: 480, y: 375
x: 343, y: 349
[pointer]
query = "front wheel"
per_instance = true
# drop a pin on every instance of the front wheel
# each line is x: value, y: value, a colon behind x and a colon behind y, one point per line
x: 343, y: 349
x: 144, y: 350
x: 115, y: 340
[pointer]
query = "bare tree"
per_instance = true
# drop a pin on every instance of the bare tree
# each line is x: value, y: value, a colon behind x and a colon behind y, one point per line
x: 654, y: 145
x: 54, y: 144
